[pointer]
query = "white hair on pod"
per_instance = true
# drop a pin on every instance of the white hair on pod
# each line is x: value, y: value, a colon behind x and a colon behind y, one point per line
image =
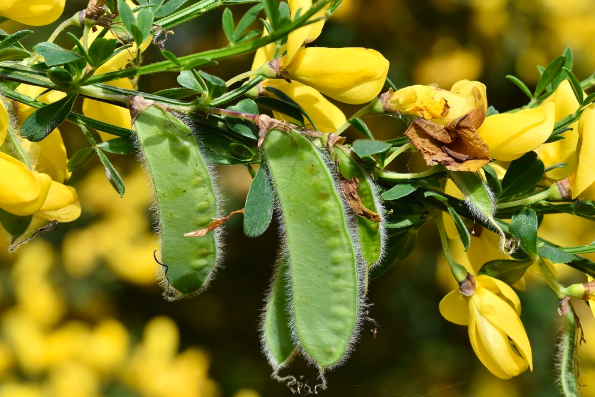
x: 169, y: 293
x: 351, y: 225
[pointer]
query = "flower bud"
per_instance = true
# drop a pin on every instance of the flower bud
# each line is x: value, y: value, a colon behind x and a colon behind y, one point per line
x: 511, y: 135
x: 349, y: 75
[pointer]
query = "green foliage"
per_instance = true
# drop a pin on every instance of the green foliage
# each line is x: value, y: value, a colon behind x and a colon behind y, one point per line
x: 43, y: 121
x: 258, y: 211
x: 522, y: 175
x: 509, y: 271
x: 54, y: 55
x: 523, y: 227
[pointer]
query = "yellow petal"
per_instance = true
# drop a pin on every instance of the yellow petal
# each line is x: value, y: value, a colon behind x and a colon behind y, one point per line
x: 453, y: 307
x: 22, y: 191
x: 564, y: 150
x: 492, y: 347
x: 438, y: 105
x: 61, y: 204
x: 306, y: 34
x: 112, y: 114
x: 52, y: 158
x: 32, y: 12
x: 3, y: 123
x: 349, y: 75
x: 502, y: 289
x: 585, y: 173
x: 263, y: 55
x: 326, y: 116
x: 501, y: 315
x: 510, y: 135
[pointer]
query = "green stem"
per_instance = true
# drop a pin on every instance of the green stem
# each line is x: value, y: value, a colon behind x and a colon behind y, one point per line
x: 251, y: 171
x: 242, y: 76
x: 550, y: 278
x: 396, y: 153
x: 366, y: 109
x: 21, y: 154
x: 92, y: 92
x: 458, y: 271
x: 232, y: 113
x: 527, y: 200
x: 86, y: 37
x: 207, y: 57
x: 398, y: 176
x: 588, y: 82
x: 188, y: 13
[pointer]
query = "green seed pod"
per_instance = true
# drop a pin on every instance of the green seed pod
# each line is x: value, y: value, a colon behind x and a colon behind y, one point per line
x: 60, y: 77
x: 276, y: 331
x: 186, y: 198
x: 326, y: 267
x: 370, y: 229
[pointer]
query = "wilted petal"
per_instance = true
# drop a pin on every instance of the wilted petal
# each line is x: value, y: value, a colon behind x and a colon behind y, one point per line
x: 511, y: 135
x: 326, y: 116
x: 32, y: 12
x: 453, y: 307
x: 349, y: 75
x: 61, y: 204
x: 22, y: 191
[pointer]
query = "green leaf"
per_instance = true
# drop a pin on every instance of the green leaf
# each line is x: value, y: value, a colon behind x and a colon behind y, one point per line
x: 461, y: 228
x: 366, y: 147
x: 110, y: 172
x: 271, y: 9
x: 248, y: 18
x: 54, y: 55
x: 576, y: 86
x: 399, y: 191
x: 549, y: 73
x: 156, y: 3
x: 567, y: 64
x: 126, y: 15
x: 81, y: 50
x: 435, y: 195
x: 555, y: 255
x: 171, y: 57
x: 258, y: 211
x: 80, y: 159
x: 280, y: 106
x: 216, y: 86
x: 14, y: 38
x: 101, y: 50
x: 287, y: 99
x: 11, y: 54
x: 521, y: 85
x: 361, y: 127
x: 492, y: 180
x: 557, y: 165
x: 176, y: 93
x: 228, y: 25
x: 506, y: 270
x: 523, y: 227
x: 118, y: 145
x: 43, y: 121
x: 241, y: 151
x: 248, y: 36
x: 60, y: 77
x: 186, y: 79
x: 522, y: 175
x: 590, y: 98
x: 169, y: 7
x: 243, y: 127
x: 15, y: 225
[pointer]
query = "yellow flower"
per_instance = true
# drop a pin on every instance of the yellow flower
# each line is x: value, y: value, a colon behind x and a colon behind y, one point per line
x: 496, y: 332
x: 438, y: 105
x: 306, y: 34
x: 564, y: 150
x: 583, y: 185
x: 3, y: 123
x: 326, y: 116
x: 510, y: 135
x: 349, y: 75
x: 32, y: 12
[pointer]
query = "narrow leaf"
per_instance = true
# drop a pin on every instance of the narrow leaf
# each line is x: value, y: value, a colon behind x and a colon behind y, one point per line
x: 228, y: 25
x: 521, y: 85
x: 258, y: 211
x: 567, y: 64
x: 576, y: 86
x: 366, y: 147
x: 126, y: 15
x: 118, y: 145
x: 399, y: 191
x: 506, y: 270
x: 461, y: 228
x: 492, y: 180
x: 101, y: 50
x: 14, y: 38
x: 549, y: 73
x: 271, y: 9
x: 186, y: 79
x: 240, y: 126
x: 44, y: 120
x: 169, y: 7
x: 248, y: 18
x: 555, y: 255
x: 287, y: 99
x: 112, y: 175
x: 361, y: 127
x: 80, y: 159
